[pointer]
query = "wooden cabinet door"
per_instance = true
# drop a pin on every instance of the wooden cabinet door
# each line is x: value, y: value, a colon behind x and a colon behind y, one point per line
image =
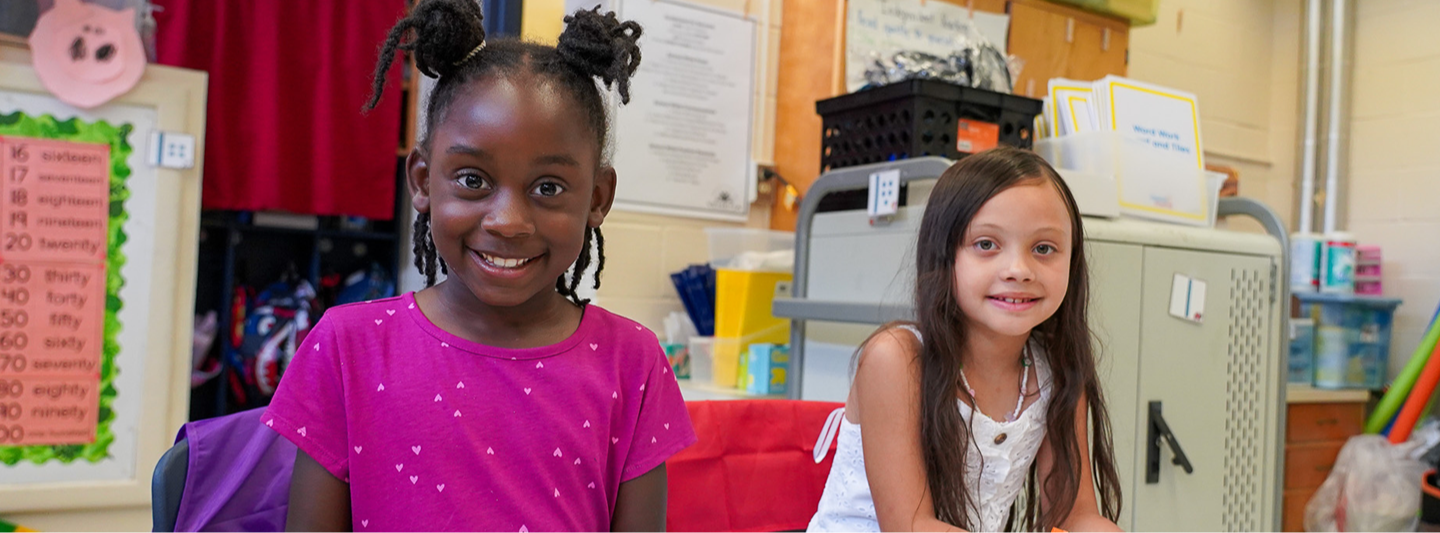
x: 1062, y: 42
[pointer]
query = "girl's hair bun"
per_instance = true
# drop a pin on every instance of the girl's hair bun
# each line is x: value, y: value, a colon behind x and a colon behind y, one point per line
x: 445, y: 33
x: 601, y: 46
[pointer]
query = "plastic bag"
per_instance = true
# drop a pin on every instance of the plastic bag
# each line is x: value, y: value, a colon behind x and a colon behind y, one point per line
x: 1375, y: 486
x: 971, y: 62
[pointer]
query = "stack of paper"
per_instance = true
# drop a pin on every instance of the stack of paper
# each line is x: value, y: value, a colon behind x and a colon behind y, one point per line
x: 1071, y: 106
x: 1170, y: 117
x: 1149, y: 136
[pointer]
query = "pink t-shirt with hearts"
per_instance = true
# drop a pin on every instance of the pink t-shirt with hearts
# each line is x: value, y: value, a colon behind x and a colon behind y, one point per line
x: 436, y: 433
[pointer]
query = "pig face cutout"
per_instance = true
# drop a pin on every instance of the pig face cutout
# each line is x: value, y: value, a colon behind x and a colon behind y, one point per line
x: 87, y: 55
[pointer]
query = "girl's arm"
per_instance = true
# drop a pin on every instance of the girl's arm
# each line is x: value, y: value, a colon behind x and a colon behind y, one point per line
x: 887, y: 394
x: 318, y: 500
x: 1085, y: 515
x: 640, y: 505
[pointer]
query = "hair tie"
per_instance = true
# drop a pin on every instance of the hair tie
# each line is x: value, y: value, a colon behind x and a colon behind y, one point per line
x: 472, y: 53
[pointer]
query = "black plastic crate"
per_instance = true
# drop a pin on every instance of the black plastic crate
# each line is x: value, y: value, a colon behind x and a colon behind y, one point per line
x: 916, y: 118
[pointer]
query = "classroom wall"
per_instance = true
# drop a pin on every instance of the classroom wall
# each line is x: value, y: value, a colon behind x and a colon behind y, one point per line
x: 1241, y: 58
x: 1394, y: 170
x: 641, y: 250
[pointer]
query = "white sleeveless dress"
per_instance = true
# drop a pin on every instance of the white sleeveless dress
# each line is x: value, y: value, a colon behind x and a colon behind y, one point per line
x: 1008, y: 448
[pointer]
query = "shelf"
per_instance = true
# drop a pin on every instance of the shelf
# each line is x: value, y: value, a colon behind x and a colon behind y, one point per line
x: 1298, y: 393
x: 850, y: 312
x: 322, y: 233
x: 363, y: 235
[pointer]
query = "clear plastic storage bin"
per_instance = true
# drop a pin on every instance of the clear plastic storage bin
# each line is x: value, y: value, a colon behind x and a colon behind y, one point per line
x: 1352, y: 338
x: 726, y: 243
x: 1175, y: 186
x: 702, y: 359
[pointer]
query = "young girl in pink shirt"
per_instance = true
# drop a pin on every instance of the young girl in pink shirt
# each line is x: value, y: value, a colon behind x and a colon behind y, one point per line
x: 497, y: 399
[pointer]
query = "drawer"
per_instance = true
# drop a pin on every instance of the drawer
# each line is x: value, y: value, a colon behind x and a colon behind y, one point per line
x: 1314, y: 422
x: 1307, y: 465
x: 1294, y: 509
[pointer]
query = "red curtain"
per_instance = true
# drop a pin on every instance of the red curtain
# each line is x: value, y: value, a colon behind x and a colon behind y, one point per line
x: 287, y: 80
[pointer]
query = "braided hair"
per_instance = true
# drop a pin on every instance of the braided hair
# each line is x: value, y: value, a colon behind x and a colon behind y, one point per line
x: 447, y: 41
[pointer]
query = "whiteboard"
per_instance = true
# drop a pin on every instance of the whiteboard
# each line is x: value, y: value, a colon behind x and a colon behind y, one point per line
x: 156, y: 261
x: 683, y: 143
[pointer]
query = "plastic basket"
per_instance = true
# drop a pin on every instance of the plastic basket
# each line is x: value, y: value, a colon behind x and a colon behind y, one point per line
x: 726, y: 243
x: 1136, y: 167
x: 917, y: 118
x: 702, y: 359
x: 1352, y: 338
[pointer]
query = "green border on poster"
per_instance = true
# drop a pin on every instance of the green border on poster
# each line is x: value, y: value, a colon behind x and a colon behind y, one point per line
x: 19, y: 124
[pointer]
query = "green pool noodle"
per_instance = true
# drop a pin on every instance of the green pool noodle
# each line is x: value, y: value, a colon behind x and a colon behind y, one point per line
x: 1400, y: 389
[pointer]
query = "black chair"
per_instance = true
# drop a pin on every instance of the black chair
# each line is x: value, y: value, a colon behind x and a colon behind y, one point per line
x: 168, y: 485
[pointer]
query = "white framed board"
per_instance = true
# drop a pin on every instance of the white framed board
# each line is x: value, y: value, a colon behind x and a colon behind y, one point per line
x: 683, y: 143
x: 97, y: 284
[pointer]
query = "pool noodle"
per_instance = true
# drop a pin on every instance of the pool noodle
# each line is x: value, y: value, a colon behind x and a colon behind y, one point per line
x: 1429, y: 406
x: 1419, y: 398
x: 1390, y: 425
x: 1400, y: 388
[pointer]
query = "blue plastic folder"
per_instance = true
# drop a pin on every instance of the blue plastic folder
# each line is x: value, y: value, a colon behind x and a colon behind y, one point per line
x: 696, y: 287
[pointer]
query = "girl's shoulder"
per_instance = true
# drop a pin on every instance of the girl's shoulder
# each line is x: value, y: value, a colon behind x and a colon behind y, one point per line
x: 367, y: 311
x: 899, y: 339
x: 364, y: 322
x: 890, y: 353
x: 600, y: 322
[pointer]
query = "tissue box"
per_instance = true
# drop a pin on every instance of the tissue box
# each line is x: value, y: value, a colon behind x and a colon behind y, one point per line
x: 767, y: 368
x: 679, y: 356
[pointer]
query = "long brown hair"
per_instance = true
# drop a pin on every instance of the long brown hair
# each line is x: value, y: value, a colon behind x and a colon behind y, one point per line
x: 944, y: 437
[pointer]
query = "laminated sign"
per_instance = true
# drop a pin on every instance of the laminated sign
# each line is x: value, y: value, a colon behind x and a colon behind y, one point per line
x: 58, y: 294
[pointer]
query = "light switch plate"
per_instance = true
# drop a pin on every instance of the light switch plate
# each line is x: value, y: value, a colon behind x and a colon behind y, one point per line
x: 884, y: 196
x: 171, y: 150
x: 1187, y: 298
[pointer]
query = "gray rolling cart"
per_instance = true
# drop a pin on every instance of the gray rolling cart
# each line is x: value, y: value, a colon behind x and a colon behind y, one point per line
x: 1197, y: 408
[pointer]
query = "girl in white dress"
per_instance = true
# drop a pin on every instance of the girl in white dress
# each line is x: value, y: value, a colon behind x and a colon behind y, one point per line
x: 975, y: 416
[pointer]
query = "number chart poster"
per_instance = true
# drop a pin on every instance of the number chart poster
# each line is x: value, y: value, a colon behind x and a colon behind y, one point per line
x: 69, y: 394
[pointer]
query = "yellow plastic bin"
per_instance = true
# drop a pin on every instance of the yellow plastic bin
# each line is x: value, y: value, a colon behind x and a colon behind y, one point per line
x: 742, y: 317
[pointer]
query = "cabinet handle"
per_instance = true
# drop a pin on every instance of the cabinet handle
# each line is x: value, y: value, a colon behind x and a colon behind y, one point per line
x: 1159, y: 430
